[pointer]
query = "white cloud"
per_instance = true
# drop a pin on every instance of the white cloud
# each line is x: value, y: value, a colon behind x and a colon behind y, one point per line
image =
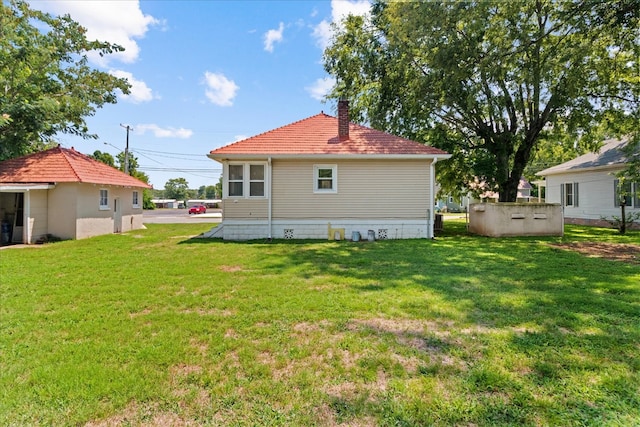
x: 273, y: 36
x: 340, y: 9
x: 119, y: 22
x: 320, y: 88
x: 160, y: 132
x: 220, y: 90
x: 140, y: 92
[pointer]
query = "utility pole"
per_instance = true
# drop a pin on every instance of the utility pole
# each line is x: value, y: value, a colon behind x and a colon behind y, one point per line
x: 126, y: 149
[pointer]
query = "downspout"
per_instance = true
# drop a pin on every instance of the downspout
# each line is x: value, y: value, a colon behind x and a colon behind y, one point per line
x: 26, y: 230
x: 270, y: 195
x: 432, y: 179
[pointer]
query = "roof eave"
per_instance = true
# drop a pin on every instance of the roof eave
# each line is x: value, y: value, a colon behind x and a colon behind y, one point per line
x: 263, y: 156
x: 18, y: 187
x: 612, y: 167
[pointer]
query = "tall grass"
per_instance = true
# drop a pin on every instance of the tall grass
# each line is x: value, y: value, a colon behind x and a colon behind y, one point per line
x: 155, y: 327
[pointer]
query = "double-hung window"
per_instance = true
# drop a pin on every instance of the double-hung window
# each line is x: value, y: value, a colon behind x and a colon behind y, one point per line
x: 136, y: 199
x: 325, y: 178
x: 236, y: 180
x: 104, y: 199
x: 256, y: 180
x: 247, y: 180
x: 569, y: 194
x: 629, y: 190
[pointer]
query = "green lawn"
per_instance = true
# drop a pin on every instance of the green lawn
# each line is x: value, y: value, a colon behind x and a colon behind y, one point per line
x: 154, y: 327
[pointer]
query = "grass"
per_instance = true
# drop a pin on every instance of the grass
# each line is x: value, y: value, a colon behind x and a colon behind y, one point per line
x: 154, y: 327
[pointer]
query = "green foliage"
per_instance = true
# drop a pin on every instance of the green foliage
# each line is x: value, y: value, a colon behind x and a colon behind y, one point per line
x: 147, y: 200
x: 623, y: 222
x: 207, y: 192
x: 133, y: 162
x: 219, y: 188
x: 490, y: 82
x: 177, y: 188
x: 47, y: 84
x: 631, y: 173
x: 105, y: 158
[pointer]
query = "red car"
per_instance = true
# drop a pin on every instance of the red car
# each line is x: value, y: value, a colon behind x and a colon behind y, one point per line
x: 197, y: 209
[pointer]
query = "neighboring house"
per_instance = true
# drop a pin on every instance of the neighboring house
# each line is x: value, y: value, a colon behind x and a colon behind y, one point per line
x: 324, y: 177
x: 523, y: 195
x: 587, y: 186
x: 64, y: 193
x: 449, y: 203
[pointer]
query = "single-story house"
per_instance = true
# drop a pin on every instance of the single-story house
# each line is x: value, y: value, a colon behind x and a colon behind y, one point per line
x: 66, y: 194
x: 587, y: 186
x: 324, y: 178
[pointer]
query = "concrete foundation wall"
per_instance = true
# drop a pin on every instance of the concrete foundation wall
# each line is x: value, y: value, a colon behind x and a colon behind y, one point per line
x: 516, y: 219
x: 310, y: 229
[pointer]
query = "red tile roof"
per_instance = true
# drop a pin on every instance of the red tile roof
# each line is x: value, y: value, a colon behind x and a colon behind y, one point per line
x: 318, y: 135
x: 63, y: 165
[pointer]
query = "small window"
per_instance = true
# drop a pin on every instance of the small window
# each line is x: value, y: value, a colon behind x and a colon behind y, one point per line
x: 136, y: 200
x: 570, y: 194
x: 325, y: 178
x: 104, y: 199
x: 236, y: 180
x: 256, y: 180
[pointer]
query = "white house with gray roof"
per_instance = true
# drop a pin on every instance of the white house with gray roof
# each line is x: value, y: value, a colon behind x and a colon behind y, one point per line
x: 587, y: 186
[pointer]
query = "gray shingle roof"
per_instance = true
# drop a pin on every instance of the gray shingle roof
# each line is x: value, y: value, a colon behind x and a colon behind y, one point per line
x: 610, y: 154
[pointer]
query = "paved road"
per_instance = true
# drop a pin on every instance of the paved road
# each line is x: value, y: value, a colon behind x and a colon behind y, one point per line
x: 179, y: 216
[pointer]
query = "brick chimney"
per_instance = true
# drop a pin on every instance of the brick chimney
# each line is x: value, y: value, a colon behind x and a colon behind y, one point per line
x: 343, y: 119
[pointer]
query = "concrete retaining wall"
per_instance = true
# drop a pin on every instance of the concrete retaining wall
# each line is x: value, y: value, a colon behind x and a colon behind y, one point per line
x: 516, y: 219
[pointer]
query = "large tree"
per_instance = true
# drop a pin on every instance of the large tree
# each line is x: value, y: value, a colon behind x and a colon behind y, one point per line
x: 177, y: 188
x: 46, y: 84
x: 488, y: 81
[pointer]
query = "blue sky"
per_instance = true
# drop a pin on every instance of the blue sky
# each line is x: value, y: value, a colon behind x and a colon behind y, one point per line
x: 204, y: 74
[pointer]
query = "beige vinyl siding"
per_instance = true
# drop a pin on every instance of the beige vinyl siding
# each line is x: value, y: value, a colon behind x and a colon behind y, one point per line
x: 367, y: 189
x: 245, y: 208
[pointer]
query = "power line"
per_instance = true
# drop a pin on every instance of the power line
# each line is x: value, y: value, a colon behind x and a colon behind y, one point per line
x: 166, y: 152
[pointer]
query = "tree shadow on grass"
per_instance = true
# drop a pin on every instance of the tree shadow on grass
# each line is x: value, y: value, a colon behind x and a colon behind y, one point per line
x: 454, y: 298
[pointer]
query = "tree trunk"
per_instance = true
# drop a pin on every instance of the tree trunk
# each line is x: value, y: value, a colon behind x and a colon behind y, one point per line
x: 509, y: 190
x: 623, y: 217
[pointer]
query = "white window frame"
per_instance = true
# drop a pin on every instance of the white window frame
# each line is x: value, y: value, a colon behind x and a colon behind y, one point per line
x: 334, y: 179
x: 104, y: 199
x: 246, y: 180
x: 229, y: 181
x: 263, y: 180
x: 135, y: 195
x: 574, y: 194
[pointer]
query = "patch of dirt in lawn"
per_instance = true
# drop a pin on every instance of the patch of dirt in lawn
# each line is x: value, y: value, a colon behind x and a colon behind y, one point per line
x: 613, y: 251
x: 148, y: 416
x: 230, y: 268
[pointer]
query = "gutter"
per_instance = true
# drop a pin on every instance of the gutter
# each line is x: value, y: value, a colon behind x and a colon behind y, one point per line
x: 269, y: 186
x: 432, y: 179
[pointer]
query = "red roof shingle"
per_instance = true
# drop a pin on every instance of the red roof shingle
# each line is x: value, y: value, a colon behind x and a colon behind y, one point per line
x: 63, y: 165
x: 318, y: 135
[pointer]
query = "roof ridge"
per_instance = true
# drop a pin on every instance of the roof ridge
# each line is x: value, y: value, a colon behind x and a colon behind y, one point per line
x: 273, y: 130
x: 65, y: 154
